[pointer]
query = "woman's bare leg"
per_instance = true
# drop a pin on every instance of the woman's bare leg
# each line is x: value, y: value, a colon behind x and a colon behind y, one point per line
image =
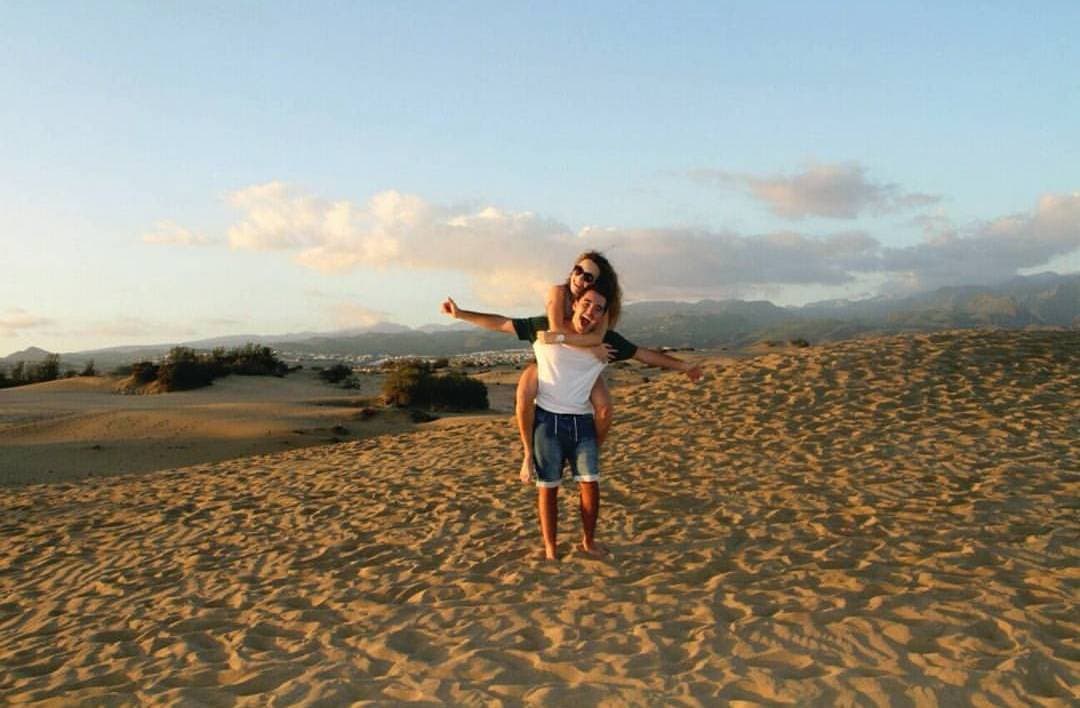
x: 600, y: 397
x: 525, y: 413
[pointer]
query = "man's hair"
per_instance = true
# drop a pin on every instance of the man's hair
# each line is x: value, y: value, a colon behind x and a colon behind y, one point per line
x: 602, y: 287
x: 607, y: 284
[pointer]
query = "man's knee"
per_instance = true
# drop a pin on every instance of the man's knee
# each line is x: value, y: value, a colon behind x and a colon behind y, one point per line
x: 602, y: 415
x: 527, y: 385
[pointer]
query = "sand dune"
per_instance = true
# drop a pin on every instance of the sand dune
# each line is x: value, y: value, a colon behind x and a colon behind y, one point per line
x: 77, y: 428
x: 877, y: 522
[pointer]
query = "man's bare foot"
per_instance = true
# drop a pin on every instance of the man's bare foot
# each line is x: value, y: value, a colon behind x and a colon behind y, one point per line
x: 550, y: 553
x: 596, y: 550
x: 525, y: 475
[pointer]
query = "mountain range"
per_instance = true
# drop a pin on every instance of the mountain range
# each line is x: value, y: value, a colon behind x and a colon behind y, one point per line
x: 1046, y: 299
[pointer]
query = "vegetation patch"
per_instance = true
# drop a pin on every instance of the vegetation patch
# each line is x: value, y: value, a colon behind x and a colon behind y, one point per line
x: 22, y: 373
x: 414, y: 384
x: 336, y: 373
x: 185, y: 369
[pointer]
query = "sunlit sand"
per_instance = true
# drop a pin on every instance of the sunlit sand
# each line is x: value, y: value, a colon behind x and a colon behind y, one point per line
x: 885, y: 521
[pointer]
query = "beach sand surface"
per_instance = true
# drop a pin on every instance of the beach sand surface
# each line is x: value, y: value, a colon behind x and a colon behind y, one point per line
x: 888, y: 521
x: 78, y: 428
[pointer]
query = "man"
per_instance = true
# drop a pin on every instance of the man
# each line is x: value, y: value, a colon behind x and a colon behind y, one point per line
x: 565, y: 430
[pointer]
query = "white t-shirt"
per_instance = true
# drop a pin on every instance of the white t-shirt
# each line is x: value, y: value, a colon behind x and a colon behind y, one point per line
x: 566, y: 376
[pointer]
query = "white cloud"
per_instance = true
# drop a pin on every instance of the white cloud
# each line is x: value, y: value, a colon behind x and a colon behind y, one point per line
x: 685, y: 264
x: 16, y: 320
x: 510, y: 257
x: 839, y: 191
x: 346, y: 315
x: 510, y: 252
x: 125, y: 328
x: 168, y: 233
x: 989, y: 251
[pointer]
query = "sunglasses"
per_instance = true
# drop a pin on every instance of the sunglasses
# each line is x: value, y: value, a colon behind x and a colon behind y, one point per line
x: 585, y: 275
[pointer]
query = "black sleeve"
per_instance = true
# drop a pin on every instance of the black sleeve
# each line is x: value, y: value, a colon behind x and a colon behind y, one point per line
x: 624, y: 348
x: 527, y: 328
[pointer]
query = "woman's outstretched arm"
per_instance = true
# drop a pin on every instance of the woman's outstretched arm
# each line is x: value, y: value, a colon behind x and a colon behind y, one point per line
x: 651, y: 357
x: 496, y: 323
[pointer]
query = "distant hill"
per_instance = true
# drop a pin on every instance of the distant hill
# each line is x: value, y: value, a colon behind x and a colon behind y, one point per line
x: 29, y: 355
x: 1046, y: 299
x: 1043, y: 300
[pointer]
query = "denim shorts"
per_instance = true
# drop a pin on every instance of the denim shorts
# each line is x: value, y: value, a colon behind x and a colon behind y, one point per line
x: 559, y: 438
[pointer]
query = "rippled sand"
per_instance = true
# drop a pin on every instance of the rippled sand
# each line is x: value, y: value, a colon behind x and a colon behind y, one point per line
x: 889, y: 522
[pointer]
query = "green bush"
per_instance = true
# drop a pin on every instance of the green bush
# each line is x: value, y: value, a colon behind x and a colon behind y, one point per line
x: 352, y: 382
x: 22, y: 373
x: 412, y: 383
x: 49, y: 370
x: 185, y: 369
x: 248, y: 360
x: 89, y: 369
x: 184, y: 374
x: 406, y: 383
x: 143, y: 372
x: 336, y: 373
x: 456, y: 390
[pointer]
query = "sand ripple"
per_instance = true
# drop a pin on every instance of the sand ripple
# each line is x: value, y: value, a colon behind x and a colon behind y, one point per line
x: 885, y: 522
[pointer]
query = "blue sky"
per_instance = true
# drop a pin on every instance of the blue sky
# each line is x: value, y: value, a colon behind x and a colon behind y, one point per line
x: 173, y: 171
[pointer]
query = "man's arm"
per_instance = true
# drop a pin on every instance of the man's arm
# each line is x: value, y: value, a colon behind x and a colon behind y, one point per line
x: 497, y: 323
x: 651, y: 357
x: 592, y: 339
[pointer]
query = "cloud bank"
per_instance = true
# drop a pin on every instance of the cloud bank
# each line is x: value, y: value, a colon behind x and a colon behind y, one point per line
x: 348, y: 315
x: 837, y: 191
x: 17, y: 320
x: 511, y: 254
x: 986, y: 252
x: 510, y: 257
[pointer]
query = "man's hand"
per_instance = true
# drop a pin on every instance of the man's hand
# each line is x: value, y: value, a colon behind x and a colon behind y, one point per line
x: 694, y: 372
x: 549, y: 337
x: 603, y: 352
x: 449, y: 307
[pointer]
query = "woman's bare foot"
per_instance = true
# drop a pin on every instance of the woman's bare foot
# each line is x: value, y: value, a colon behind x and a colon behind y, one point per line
x: 525, y: 475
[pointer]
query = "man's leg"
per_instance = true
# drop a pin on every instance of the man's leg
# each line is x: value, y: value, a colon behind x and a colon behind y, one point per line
x: 549, y: 462
x: 590, y: 512
x: 586, y: 464
x: 547, y: 503
x: 525, y: 413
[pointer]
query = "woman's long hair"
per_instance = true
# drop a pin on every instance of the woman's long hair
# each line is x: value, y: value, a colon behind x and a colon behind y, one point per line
x: 607, y: 284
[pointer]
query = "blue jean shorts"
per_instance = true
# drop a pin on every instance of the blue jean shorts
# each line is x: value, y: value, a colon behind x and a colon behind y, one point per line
x: 559, y: 438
